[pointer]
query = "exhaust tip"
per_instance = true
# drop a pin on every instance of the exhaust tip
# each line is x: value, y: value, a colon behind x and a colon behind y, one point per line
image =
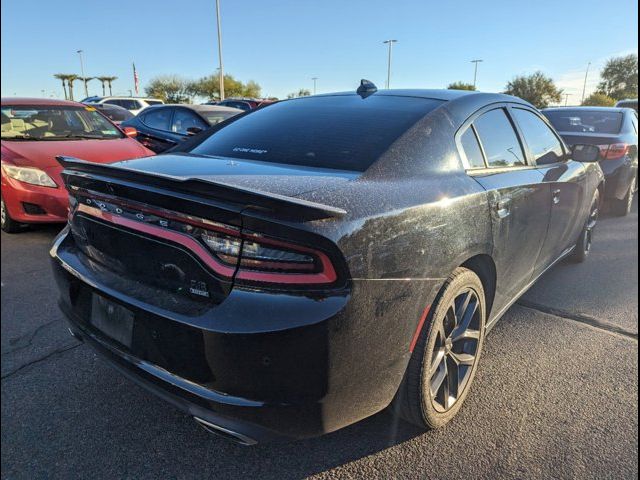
x: 225, y: 432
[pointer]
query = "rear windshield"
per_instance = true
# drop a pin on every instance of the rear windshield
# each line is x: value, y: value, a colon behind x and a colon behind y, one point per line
x: 214, y: 117
x: 154, y: 102
x: 585, y: 121
x: 338, y: 132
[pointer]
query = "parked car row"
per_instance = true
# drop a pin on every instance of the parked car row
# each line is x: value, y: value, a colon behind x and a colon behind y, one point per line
x: 164, y: 126
x: 290, y: 270
x: 133, y: 104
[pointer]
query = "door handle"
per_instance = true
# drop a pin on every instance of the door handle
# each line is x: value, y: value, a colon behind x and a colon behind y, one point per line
x: 556, y: 196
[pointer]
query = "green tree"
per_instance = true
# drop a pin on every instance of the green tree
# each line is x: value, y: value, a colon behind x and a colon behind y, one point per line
x: 170, y: 89
x: 303, y: 92
x: 103, y: 81
x: 598, y: 99
x: 209, y: 87
x: 86, y: 80
x: 537, y: 89
x: 63, y: 77
x: 70, y: 79
x: 109, y: 80
x: 619, y: 78
x: 461, y: 86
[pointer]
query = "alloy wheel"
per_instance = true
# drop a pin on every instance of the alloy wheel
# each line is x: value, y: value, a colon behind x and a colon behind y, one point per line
x: 455, y: 350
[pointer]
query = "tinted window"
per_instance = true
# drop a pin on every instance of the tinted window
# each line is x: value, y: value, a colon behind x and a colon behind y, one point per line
x: 240, y: 105
x: 124, y: 103
x: 216, y: 116
x: 543, y: 143
x: 158, y: 118
x: 184, y: 119
x: 154, y: 102
x: 340, y: 132
x: 585, y: 120
x: 472, y: 149
x: 501, y: 145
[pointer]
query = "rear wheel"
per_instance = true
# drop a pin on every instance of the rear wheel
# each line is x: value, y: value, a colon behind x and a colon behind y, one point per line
x: 583, y: 245
x: 446, y: 356
x: 621, y: 208
x: 9, y: 225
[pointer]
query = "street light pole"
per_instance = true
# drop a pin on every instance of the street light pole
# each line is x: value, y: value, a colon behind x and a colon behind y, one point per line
x: 221, y: 74
x: 566, y: 99
x: 390, y: 44
x: 315, y: 79
x: 86, y: 90
x: 475, y: 71
x: 584, y: 87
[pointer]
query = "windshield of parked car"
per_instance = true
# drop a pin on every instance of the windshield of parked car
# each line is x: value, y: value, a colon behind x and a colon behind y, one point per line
x: 585, y: 121
x: 35, y: 122
x: 344, y: 132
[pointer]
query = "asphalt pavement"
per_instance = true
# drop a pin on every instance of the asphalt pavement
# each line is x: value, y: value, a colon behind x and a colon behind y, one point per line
x: 556, y: 395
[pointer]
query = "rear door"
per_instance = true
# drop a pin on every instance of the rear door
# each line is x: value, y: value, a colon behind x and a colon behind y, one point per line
x: 564, y: 180
x: 519, y: 200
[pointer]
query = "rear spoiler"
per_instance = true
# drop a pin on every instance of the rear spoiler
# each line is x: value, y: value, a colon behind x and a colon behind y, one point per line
x: 78, y: 172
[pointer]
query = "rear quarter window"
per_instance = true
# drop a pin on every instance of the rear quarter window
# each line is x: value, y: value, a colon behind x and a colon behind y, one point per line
x: 344, y: 132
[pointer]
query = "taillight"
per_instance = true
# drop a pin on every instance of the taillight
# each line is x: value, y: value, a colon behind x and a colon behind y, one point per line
x: 263, y: 259
x: 258, y: 258
x: 613, y: 151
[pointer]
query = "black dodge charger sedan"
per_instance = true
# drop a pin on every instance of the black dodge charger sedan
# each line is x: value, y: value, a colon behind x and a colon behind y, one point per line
x: 304, y: 266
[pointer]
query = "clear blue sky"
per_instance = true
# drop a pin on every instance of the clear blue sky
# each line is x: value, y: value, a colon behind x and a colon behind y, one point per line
x: 281, y: 44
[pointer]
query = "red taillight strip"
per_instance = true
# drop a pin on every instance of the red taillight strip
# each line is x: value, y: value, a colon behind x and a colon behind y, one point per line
x: 327, y: 275
x: 416, y: 335
x: 185, y: 240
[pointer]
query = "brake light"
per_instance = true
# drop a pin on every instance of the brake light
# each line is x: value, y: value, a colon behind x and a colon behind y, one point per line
x: 258, y: 258
x: 613, y: 151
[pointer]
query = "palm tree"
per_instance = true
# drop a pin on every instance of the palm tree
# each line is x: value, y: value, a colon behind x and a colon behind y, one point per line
x: 109, y: 80
x: 70, y: 79
x: 103, y: 80
x: 63, y: 78
x: 86, y: 80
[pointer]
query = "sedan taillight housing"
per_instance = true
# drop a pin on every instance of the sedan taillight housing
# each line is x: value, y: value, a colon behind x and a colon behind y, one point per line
x: 613, y: 151
x: 244, y: 256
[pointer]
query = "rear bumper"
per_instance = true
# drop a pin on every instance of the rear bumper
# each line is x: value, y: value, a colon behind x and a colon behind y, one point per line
x: 265, y: 365
x: 53, y: 202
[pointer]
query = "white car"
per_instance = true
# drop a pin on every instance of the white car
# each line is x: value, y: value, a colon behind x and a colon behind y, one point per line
x: 134, y: 104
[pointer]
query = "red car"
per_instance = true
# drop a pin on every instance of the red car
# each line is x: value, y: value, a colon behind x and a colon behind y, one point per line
x: 34, y: 131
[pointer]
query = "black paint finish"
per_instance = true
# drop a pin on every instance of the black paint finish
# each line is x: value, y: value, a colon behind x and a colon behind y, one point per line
x: 272, y: 360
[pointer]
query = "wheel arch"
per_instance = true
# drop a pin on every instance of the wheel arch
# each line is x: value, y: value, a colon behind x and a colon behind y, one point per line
x: 484, y: 266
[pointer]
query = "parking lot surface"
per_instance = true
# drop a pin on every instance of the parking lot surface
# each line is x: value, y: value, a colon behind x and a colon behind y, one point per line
x: 556, y: 395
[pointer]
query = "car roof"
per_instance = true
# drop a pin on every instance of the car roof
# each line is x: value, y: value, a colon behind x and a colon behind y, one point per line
x: 39, y: 101
x: 586, y: 108
x: 197, y: 108
x: 460, y: 103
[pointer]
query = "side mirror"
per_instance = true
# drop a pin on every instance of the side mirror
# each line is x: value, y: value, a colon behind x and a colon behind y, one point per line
x: 130, y: 132
x: 193, y: 130
x: 585, y: 153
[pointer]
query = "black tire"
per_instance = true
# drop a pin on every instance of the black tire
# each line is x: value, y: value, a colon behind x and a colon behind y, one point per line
x: 414, y: 400
x: 585, y: 240
x: 621, y: 208
x: 8, y: 224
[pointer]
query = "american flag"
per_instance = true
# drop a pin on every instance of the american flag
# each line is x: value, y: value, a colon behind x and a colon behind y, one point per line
x: 136, y: 80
